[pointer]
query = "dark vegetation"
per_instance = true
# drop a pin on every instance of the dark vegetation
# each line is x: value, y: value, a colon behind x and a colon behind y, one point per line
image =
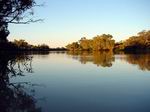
x: 21, y: 11
x: 16, y: 12
x: 14, y: 96
x: 22, y: 45
x: 140, y: 43
x: 104, y: 42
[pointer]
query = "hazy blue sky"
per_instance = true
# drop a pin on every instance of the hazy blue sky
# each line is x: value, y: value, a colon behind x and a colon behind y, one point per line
x: 69, y: 20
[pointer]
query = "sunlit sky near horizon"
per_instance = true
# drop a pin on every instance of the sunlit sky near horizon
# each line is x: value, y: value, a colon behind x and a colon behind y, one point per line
x: 66, y: 21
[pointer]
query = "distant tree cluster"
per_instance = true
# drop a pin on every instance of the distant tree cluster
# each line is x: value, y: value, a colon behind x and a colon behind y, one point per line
x: 23, y: 45
x: 104, y: 42
x: 139, y: 42
x: 98, y: 43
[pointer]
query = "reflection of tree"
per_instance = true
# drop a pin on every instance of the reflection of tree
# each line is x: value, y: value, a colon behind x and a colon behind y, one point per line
x: 13, y: 97
x: 142, y: 60
x: 103, y: 58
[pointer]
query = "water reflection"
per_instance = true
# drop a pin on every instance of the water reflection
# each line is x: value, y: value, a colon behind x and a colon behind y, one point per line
x: 68, y: 89
x: 13, y: 96
x: 142, y: 60
x: 103, y: 59
x: 106, y: 59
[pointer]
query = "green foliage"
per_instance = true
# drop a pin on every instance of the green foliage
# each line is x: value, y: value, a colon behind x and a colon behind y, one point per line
x: 103, y: 42
x: 23, y: 45
x: 142, y: 40
x: 98, y: 43
x: 74, y: 46
x: 135, y: 43
x: 86, y: 44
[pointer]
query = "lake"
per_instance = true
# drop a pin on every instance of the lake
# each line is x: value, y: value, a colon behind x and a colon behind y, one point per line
x: 74, y: 82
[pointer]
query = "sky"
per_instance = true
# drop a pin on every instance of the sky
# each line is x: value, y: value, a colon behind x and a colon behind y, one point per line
x: 66, y: 21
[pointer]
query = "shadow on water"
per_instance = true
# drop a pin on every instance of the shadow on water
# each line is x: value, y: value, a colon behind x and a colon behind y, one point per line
x: 106, y: 58
x: 13, y: 96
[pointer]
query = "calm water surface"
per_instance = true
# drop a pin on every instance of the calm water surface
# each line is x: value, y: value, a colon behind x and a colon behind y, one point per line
x: 75, y: 82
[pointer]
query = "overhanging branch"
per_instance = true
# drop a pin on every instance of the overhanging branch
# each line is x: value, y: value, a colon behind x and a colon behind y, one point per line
x: 26, y: 22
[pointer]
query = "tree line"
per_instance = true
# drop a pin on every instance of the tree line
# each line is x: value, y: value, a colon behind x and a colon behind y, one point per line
x: 23, y: 45
x: 106, y: 42
x: 135, y: 43
x: 21, y: 12
x: 99, y: 42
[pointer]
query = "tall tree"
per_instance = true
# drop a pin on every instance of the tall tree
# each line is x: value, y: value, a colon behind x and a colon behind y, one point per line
x: 85, y: 44
x: 14, y: 11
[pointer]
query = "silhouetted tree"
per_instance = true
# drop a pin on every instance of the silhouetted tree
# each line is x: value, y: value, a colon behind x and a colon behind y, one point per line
x: 14, y: 11
x: 22, y: 44
x: 43, y: 47
x: 25, y: 46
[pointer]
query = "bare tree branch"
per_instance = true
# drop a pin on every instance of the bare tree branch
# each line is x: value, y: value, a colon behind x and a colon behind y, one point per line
x: 26, y: 22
